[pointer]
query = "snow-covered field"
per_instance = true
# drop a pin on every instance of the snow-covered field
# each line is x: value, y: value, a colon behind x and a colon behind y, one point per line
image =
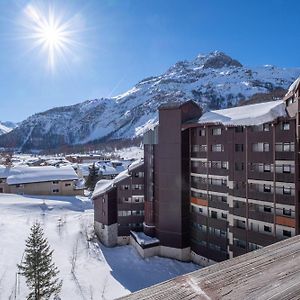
x: 100, y: 273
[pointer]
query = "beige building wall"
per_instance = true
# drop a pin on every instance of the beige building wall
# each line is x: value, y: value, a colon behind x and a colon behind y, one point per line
x: 62, y: 188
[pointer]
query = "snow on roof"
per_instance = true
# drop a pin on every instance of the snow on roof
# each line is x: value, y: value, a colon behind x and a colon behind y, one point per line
x: 247, y: 115
x: 102, y: 187
x: 7, y: 171
x: 121, y: 176
x: 294, y: 85
x: 135, y: 164
x: 19, y: 175
x: 143, y: 239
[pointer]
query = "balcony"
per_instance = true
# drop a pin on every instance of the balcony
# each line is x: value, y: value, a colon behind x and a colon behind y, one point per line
x: 218, y: 171
x: 238, y: 211
x: 218, y: 204
x: 260, y: 175
x: 240, y: 192
x: 218, y: 188
x: 239, y: 233
x: 285, y: 155
x: 261, y: 239
x: 208, y: 253
x: 257, y: 195
x: 285, y: 199
x: 199, y: 170
x: 217, y: 240
x: 199, y: 185
x: 237, y: 251
x: 217, y: 223
x: 286, y: 221
x: 261, y: 216
x: 198, y: 218
x: 199, y: 154
x: 285, y: 177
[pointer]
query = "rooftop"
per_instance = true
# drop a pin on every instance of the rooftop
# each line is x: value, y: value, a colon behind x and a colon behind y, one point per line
x: 248, y: 115
x: 24, y: 174
x: 268, y: 273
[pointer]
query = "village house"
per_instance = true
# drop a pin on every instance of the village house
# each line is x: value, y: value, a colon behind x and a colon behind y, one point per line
x: 47, y: 180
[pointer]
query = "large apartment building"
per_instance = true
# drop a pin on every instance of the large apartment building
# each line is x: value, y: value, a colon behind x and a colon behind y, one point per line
x: 223, y: 183
x: 217, y: 184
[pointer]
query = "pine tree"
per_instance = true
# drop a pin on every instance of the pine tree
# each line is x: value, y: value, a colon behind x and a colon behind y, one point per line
x: 92, y: 178
x: 37, y: 267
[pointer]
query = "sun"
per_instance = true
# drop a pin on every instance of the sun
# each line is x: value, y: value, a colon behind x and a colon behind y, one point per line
x: 53, y: 35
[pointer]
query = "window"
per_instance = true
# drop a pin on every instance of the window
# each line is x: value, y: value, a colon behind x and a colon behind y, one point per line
x: 267, y: 168
x: 202, y: 132
x: 55, y: 182
x: 217, y: 131
x: 203, y: 148
x: 224, y: 165
x: 55, y: 190
x: 239, y: 243
x: 267, y: 188
x: 285, y: 126
x: 285, y: 147
x: 240, y: 224
x: 67, y: 184
x: 239, y: 129
x: 125, y: 187
x: 195, y: 148
x: 266, y: 127
x: 214, y: 214
x: 286, y: 169
x: 222, y: 233
x: 224, y: 216
x: 267, y: 228
x: 136, y: 186
x: 287, y: 212
x: 239, y: 166
x: 217, y: 148
x: 239, y: 147
x: 261, y: 147
x: 19, y: 185
x: 287, y: 190
x: 267, y: 209
x: 286, y: 233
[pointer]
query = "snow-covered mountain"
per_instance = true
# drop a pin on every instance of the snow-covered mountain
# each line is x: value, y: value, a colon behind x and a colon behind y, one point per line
x: 6, y: 127
x: 214, y: 81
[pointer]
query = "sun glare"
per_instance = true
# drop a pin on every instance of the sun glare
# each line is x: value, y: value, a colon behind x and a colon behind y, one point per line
x: 50, y: 33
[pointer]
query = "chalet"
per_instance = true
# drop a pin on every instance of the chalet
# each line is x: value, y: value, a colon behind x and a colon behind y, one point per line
x: 46, y: 180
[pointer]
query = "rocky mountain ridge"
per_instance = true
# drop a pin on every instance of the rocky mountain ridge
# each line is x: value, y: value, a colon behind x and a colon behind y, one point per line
x: 214, y: 81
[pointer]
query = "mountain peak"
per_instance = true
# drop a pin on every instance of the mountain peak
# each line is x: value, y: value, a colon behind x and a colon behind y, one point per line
x: 216, y: 60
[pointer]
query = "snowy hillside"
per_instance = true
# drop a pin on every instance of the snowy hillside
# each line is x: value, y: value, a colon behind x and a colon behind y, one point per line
x: 99, y: 272
x: 214, y: 81
x: 6, y: 127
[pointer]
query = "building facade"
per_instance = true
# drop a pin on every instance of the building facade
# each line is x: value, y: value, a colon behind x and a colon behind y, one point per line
x: 46, y: 180
x: 215, y: 185
x: 119, y: 205
x: 223, y: 183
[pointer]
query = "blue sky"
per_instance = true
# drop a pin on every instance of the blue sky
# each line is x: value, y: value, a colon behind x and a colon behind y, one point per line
x: 120, y: 42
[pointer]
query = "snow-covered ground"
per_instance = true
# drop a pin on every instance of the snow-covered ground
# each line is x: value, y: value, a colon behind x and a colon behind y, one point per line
x: 100, y: 272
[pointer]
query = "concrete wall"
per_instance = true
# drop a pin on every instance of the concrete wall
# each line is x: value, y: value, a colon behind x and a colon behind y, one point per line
x: 107, y: 234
